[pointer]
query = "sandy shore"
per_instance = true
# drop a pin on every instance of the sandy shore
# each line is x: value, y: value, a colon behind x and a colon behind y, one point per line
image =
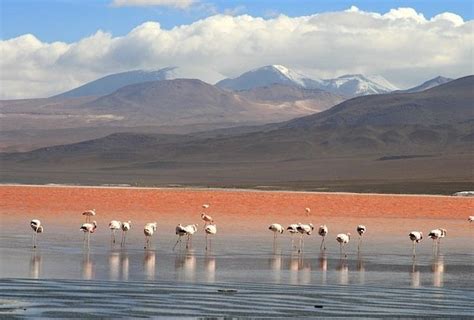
x: 141, y: 203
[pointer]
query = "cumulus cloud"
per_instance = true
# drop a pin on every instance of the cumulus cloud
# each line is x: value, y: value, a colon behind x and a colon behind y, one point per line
x: 402, y: 45
x: 180, y: 4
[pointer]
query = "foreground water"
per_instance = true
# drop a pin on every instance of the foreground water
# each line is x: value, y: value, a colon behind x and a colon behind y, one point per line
x: 239, y: 276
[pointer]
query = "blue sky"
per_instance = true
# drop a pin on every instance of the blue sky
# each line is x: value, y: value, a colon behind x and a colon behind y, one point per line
x: 71, y: 20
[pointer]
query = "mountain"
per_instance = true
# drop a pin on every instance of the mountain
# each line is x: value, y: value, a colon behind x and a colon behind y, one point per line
x: 113, y: 82
x: 358, y: 85
x: 266, y: 76
x: 164, y: 106
x: 347, y: 85
x: 428, y: 84
x: 187, y: 101
x: 401, y: 142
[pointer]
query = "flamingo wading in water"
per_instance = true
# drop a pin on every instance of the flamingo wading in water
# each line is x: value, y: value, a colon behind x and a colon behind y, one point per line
x: 276, y: 228
x: 37, y: 228
x: 211, y: 230
x: 187, y: 231
x: 126, y: 226
x: 304, y: 229
x: 149, y: 230
x: 436, y: 235
x: 114, y: 225
x: 361, y: 229
x: 343, y: 239
x: 292, y: 229
x: 88, y: 228
x: 415, y: 237
x: 323, y: 232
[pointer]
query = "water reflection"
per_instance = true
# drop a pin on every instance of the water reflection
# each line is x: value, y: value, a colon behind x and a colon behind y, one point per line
x: 275, y: 263
x: 210, y: 268
x: 87, y: 267
x: 185, y: 265
x: 323, y: 266
x: 415, y: 275
x: 125, y: 265
x: 149, y: 264
x: 437, y: 267
x: 300, y: 269
x: 118, y: 265
x: 361, y: 268
x: 35, y: 265
x: 343, y: 271
x: 114, y: 265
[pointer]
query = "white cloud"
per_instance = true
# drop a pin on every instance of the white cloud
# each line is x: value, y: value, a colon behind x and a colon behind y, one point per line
x: 402, y: 45
x: 180, y: 4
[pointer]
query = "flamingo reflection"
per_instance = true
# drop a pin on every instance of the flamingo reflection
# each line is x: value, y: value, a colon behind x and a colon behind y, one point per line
x: 343, y: 273
x: 361, y: 268
x: 35, y: 265
x: 415, y: 274
x: 87, y: 267
x: 300, y: 270
x: 185, y: 265
x: 210, y: 268
x: 323, y: 266
x: 114, y: 265
x: 275, y: 263
x: 149, y: 262
x: 437, y: 268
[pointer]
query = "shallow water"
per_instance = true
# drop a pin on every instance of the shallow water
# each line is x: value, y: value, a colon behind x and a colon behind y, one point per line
x: 62, y: 278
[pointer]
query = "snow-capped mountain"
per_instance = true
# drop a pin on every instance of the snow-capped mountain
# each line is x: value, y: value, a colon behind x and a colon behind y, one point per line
x: 266, y: 76
x: 358, y: 85
x: 428, y: 84
x: 347, y: 85
x: 113, y: 82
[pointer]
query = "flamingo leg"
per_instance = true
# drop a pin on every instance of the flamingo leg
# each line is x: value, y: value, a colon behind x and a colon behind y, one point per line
x: 414, y: 250
x: 178, y: 241
x: 360, y: 241
x: 206, y: 241
x: 34, y: 239
x: 340, y: 249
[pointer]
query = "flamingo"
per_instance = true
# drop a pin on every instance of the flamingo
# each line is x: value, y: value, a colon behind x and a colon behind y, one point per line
x: 437, y: 235
x: 210, y: 229
x: 276, y: 228
x: 343, y: 239
x: 89, y: 214
x: 361, y: 229
x: 37, y: 228
x: 304, y: 229
x: 188, y: 231
x: 470, y: 219
x: 205, y: 206
x: 148, y: 230
x: 126, y: 226
x: 415, y: 237
x: 88, y: 228
x: 292, y: 229
x: 323, y: 231
x: 207, y: 219
x: 307, y: 210
x: 114, y: 225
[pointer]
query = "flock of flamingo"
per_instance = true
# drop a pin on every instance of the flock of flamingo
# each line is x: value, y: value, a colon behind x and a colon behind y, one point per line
x: 210, y: 229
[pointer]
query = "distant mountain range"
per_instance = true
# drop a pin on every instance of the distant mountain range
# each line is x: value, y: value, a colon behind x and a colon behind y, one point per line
x: 423, y: 136
x: 428, y: 84
x: 164, y: 106
x: 347, y: 85
x: 156, y: 102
